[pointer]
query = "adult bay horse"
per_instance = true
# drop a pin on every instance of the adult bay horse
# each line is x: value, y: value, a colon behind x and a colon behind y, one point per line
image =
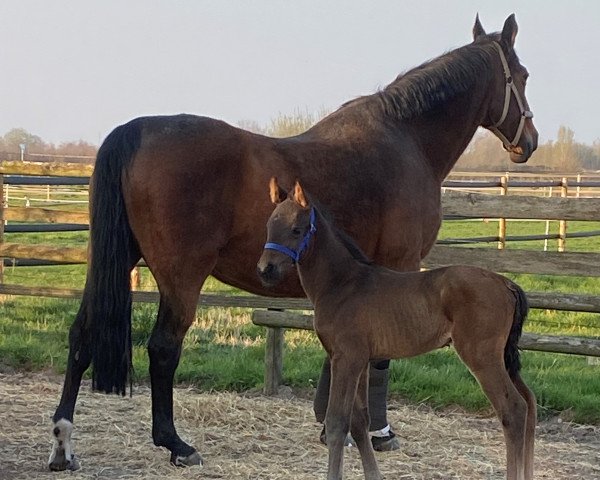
x: 365, y: 312
x: 186, y: 193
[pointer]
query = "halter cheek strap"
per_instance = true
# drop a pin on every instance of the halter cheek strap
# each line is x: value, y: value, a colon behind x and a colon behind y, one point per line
x: 510, y: 90
x: 296, y: 254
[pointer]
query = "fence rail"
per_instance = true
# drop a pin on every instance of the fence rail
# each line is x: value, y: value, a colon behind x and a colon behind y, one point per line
x: 456, y: 204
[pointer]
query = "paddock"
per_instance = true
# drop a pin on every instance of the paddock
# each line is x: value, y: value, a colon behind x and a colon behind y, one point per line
x: 251, y: 436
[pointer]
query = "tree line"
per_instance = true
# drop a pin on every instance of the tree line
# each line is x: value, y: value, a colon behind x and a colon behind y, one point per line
x: 484, y: 153
x: 36, y: 149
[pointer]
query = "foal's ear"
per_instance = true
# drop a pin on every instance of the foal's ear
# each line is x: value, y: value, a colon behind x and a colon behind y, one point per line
x: 299, y: 196
x: 478, y: 30
x: 509, y: 31
x: 278, y: 195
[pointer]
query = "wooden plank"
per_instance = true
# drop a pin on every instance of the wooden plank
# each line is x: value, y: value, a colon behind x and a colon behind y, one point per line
x: 480, y: 205
x: 516, y: 261
x: 273, y: 319
x: 46, y: 169
x: 206, y: 299
x: 35, y: 214
x: 560, y: 344
x: 564, y: 301
x: 273, y: 360
x: 44, y: 252
x: 537, y: 300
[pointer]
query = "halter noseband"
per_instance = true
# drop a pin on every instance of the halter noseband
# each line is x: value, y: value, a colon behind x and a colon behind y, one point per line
x: 510, y: 88
x: 295, y: 254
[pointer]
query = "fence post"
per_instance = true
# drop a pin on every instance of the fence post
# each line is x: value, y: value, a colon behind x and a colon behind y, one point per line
x: 273, y: 359
x: 502, y: 221
x: 562, y: 224
x: 135, y: 278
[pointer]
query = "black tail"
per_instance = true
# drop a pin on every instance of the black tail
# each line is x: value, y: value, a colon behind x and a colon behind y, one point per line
x: 112, y: 253
x: 512, y: 358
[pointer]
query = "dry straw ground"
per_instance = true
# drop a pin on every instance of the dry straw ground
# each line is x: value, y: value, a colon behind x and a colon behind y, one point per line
x: 255, y: 437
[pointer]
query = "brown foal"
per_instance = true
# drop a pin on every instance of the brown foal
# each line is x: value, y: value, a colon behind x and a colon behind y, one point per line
x: 365, y: 312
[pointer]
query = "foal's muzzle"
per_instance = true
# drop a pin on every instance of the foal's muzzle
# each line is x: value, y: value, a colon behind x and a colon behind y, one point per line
x: 268, y: 273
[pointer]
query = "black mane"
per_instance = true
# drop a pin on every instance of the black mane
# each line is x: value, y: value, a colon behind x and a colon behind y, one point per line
x: 433, y: 83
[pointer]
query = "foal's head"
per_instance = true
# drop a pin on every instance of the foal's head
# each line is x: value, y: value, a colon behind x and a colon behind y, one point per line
x: 289, y: 231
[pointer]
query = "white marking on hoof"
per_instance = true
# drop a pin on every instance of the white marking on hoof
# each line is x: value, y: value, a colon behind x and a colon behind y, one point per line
x: 190, y: 460
x: 61, y: 457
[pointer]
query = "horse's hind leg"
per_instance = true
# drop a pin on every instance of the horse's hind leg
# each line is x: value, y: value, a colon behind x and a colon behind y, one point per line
x: 61, y: 457
x: 360, y: 427
x: 176, y: 312
x: 529, y: 397
x: 509, y: 405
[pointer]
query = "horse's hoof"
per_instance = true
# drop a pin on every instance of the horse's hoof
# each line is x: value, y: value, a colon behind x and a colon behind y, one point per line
x: 59, y: 464
x: 386, y: 444
x: 62, y: 457
x: 189, y: 461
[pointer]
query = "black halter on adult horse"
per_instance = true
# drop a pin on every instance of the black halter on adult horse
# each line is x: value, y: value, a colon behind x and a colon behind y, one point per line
x: 187, y: 194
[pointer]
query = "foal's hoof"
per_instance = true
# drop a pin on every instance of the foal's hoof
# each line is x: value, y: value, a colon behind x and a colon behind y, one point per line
x: 189, y: 461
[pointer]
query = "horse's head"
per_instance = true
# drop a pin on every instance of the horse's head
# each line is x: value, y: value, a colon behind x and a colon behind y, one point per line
x: 508, y: 115
x: 289, y: 230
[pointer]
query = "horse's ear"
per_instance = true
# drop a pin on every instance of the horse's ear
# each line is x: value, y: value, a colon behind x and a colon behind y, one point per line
x: 509, y: 31
x: 278, y: 195
x: 299, y: 196
x: 478, y: 30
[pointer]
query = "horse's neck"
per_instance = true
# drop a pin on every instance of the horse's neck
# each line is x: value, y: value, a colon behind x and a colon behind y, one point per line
x: 439, y: 129
x: 445, y: 136
x: 326, y: 263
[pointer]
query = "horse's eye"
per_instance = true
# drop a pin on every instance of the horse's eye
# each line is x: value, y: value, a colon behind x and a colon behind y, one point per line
x: 296, y: 231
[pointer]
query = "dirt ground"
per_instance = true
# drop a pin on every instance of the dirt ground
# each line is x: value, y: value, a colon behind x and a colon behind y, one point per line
x: 257, y: 437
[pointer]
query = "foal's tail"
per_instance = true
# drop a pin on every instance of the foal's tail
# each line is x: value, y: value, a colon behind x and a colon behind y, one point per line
x: 113, y: 251
x: 512, y: 358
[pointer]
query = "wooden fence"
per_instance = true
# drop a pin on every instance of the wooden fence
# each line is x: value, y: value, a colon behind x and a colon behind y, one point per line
x: 277, y: 314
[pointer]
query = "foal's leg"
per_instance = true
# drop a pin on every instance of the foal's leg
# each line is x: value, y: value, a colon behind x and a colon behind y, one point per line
x: 529, y: 397
x: 176, y: 312
x: 345, y: 373
x: 510, y: 407
x: 80, y: 357
x: 360, y: 427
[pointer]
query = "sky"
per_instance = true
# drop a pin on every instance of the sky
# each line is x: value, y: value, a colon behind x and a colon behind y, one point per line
x: 73, y: 70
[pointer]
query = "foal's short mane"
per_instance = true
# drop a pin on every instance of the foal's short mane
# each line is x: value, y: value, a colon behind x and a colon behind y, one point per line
x: 343, y: 237
x: 429, y: 85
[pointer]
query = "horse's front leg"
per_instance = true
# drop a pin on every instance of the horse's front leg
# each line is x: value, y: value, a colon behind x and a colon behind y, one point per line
x: 175, y: 315
x: 62, y: 456
x: 345, y: 373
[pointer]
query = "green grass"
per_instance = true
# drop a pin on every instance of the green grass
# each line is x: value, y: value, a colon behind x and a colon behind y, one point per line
x: 224, y: 350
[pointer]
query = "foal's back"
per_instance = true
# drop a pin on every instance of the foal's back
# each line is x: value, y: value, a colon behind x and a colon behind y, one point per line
x: 403, y: 314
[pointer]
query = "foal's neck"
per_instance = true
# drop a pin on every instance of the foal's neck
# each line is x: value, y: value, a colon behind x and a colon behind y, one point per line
x: 327, y: 263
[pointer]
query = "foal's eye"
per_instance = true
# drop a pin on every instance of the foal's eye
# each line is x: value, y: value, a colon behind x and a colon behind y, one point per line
x: 296, y: 231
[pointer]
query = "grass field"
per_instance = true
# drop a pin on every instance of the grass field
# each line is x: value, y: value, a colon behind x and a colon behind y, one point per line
x: 224, y: 350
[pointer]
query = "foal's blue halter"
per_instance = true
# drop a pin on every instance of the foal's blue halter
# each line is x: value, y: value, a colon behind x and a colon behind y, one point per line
x: 295, y: 254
